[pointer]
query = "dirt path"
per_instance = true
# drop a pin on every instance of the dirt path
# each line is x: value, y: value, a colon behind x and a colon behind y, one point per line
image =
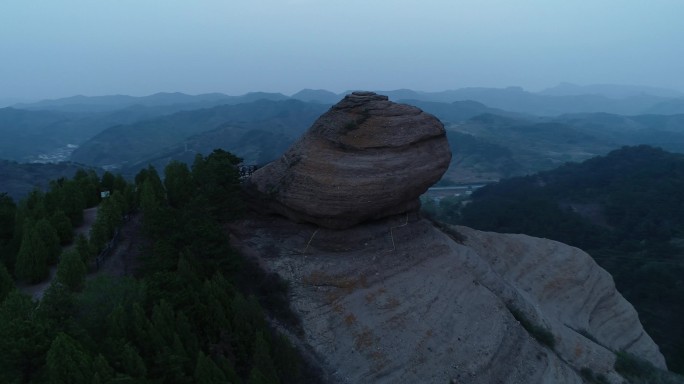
x: 36, y: 291
x: 122, y: 260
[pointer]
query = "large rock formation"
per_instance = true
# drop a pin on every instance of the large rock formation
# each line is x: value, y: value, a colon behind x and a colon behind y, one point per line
x: 366, y: 158
x: 397, y: 300
x: 401, y: 301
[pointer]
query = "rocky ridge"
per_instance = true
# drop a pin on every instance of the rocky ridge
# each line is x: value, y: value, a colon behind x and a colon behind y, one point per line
x: 385, y: 296
x: 401, y: 301
x: 364, y: 159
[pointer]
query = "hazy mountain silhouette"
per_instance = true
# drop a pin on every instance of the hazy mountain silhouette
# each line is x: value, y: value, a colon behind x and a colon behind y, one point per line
x: 177, y: 99
x: 458, y: 110
x: 534, y: 143
x: 317, y: 96
x: 565, y: 98
x: 614, y: 91
x: 132, y: 143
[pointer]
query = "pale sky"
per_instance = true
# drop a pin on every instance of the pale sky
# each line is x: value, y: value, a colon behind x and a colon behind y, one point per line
x: 59, y: 48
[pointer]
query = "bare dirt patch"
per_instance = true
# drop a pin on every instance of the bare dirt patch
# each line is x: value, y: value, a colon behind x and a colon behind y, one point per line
x: 122, y: 260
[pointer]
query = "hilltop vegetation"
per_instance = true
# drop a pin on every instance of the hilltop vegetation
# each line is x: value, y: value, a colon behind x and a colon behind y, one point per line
x: 626, y: 209
x: 192, y: 313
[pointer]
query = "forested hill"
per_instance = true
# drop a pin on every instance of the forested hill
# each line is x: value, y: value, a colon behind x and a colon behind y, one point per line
x: 190, y: 309
x: 131, y: 143
x: 20, y: 179
x: 626, y: 209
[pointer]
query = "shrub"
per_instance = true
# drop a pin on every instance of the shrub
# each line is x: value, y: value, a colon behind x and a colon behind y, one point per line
x: 637, y: 370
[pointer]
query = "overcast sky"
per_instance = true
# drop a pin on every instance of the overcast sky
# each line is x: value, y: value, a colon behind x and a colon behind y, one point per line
x: 57, y: 48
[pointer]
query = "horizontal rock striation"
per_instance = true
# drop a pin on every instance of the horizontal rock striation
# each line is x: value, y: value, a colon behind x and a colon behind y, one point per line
x: 366, y: 158
x: 400, y: 301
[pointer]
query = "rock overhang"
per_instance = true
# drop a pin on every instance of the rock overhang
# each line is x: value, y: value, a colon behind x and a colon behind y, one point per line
x: 365, y: 159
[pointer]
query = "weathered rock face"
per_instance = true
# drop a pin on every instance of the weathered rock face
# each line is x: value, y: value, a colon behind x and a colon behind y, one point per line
x: 400, y: 301
x: 366, y: 158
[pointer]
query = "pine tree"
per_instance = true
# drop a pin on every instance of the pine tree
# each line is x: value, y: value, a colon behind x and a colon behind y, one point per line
x: 132, y: 363
x: 219, y: 183
x: 31, y: 265
x: 83, y: 248
x: 207, y: 372
x: 24, y: 339
x: 58, y: 307
x: 102, y: 371
x: 263, y: 369
x: 120, y: 184
x: 34, y: 204
x: 6, y: 283
x: 71, y: 271
x: 107, y: 181
x: 151, y: 206
x: 48, y: 235
x: 164, y: 321
x: 98, y: 236
x: 7, y: 213
x: 7, y: 228
x: 68, y: 361
x: 117, y: 323
x: 73, y: 202
x: 88, y: 184
x: 178, y: 183
x: 61, y: 223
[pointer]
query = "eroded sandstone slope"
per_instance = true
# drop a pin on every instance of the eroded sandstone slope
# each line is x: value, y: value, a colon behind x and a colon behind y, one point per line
x: 400, y: 301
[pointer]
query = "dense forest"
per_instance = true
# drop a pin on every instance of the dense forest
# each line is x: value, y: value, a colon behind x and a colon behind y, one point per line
x: 194, y: 311
x: 626, y: 209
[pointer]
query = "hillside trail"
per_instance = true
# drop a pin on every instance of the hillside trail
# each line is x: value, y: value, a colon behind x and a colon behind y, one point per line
x: 122, y: 261
x: 36, y: 291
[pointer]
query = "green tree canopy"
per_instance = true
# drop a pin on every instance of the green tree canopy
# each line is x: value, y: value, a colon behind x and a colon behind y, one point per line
x: 24, y: 340
x: 179, y: 184
x: 206, y: 371
x: 71, y: 271
x: 7, y: 212
x: 68, y: 362
x: 61, y: 223
x: 219, y: 183
x: 31, y: 265
x: 48, y: 235
x: 6, y: 283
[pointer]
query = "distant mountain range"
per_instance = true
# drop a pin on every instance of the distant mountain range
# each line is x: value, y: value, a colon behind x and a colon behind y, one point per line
x: 179, y: 101
x: 609, y: 90
x: 491, y: 146
x: 124, y: 145
x: 495, y: 133
x: 563, y: 98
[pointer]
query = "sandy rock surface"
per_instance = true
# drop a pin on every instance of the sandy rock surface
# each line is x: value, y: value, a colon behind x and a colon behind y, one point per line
x: 400, y: 301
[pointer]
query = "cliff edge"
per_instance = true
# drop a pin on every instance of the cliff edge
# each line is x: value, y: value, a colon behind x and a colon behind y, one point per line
x: 401, y: 301
x: 387, y: 297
